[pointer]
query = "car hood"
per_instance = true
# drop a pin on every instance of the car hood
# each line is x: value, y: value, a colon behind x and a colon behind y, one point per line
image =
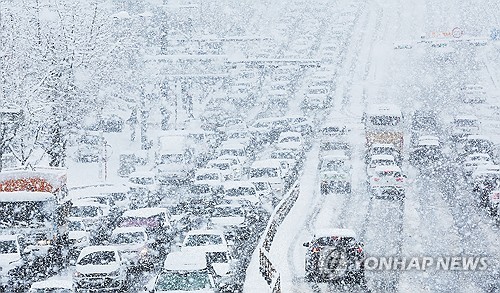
x: 228, y: 221
x: 7, y: 261
x: 221, y: 269
x: 99, y: 269
x: 134, y: 247
x: 173, y: 167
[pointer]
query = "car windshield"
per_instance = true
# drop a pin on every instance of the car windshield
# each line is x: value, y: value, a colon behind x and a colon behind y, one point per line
x: 385, y: 120
x: 147, y: 222
x: 217, y: 257
x: 290, y: 139
x: 332, y: 165
x: 172, y: 158
x: 264, y: 172
x: 203, y: 239
x: 183, y: 281
x: 382, y: 162
x: 260, y: 186
x: 239, y: 191
x: 233, y: 152
x: 465, y: 123
x: 129, y: 238
x: 331, y: 241
x: 142, y: 180
x: 382, y: 151
x: 50, y: 290
x: 98, y: 258
x: 220, y: 166
x: 85, y: 211
x: 388, y: 174
x: 227, y: 212
x: 75, y: 226
x: 8, y: 246
x: 282, y: 155
x: 207, y: 176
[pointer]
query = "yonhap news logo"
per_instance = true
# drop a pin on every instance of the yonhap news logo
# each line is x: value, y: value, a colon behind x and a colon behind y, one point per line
x: 423, y: 263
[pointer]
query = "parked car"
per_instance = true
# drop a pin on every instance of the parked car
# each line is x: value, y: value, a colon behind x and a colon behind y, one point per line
x: 379, y: 160
x: 387, y: 179
x: 100, y: 268
x: 53, y: 285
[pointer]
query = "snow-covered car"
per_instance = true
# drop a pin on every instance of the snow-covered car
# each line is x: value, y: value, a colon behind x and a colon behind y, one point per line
x: 335, y: 173
x: 300, y: 124
x: 209, y: 176
x: 156, y: 221
x: 464, y: 125
x: 265, y: 190
x: 135, y: 246
x: 271, y: 170
x: 214, y: 244
x: 52, y: 285
x: 471, y: 144
x: 388, y: 178
x: 100, y: 268
x: 89, y: 148
x: 183, y: 272
x: 243, y: 192
x: 472, y: 94
x: 382, y: 149
x: 79, y: 237
x: 334, y: 255
x: 379, y: 160
x: 316, y: 97
x: 290, y: 157
x: 231, y: 219
x: 13, y: 263
x: 291, y: 141
x: 478, y: 157
x: 229, y: 170
x: 468, y: 167
x: 92, y: 214
x: 334, y: 130
x: 235, y: 149
x: 494, y: 202
x: 232, y: 124
x: 484, y: 179
x: 243, y: 137
x: 143, y: 189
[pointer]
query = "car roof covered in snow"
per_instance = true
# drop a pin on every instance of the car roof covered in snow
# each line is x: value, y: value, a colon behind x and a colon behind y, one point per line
x: 98, y: 189
x: 234, y: 144
x: 382, y: 157
x: 122, y: 230
x: 142, y: 174
x: 476, y: 137
x: 56, y: 282
x: 95, y: 248
x: 144, y: 212
x: 185, y: 261
x: 383, y: 109
x: 339, y: 232
x: 8, y: 237
x: 26, y: 196
x: 387, y: 168
x: 205, y: 232
x: 238, y: 184
x: 269, y: 163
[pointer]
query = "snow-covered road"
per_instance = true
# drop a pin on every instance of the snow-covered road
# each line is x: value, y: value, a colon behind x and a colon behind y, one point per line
x: 439, y: 217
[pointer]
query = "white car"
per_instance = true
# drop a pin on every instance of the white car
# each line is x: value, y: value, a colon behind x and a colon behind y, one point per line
x: 209, y: 176
x: 335, y: 173
x: 389, y: 180
x: 183, y: 272
x: 472, y: 93
x: 135, y: 246
x: 379, y: 160
x: 464, y: 125
x: 231, y: 218
x: 470, y: 166
x: 243, y: 192
x: 100, y: 268
x: 59, y: 285
x: 291, y: 141
x: 234, y: 149
x: 229, y: 170
x: 272, y: 171
x: 143, y: 188
x: 214, y: 244
x: 90, y: 213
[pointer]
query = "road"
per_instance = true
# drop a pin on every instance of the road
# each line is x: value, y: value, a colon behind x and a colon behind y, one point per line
x: 440, y: 216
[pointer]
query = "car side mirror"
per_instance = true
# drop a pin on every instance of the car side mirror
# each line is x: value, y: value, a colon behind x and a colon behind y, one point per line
x: 306, y: 244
